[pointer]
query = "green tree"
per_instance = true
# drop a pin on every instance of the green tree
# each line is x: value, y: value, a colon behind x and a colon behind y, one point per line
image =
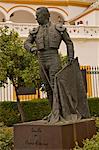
x: 63, y: 59
x: 17, y: 64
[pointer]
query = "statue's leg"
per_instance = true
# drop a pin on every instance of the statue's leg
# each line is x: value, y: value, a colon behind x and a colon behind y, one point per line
x: 46, y: 83
x: 54, y: 67
x: 49, y: 94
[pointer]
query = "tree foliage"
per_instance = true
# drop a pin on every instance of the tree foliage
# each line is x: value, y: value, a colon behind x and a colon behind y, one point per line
x: 89, y: 144
x: 16, y: 63
x: 63, y: 59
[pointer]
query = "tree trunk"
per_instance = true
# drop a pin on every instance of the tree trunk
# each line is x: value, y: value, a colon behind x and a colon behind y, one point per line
x: 23, y: 119
x: 38, y: 91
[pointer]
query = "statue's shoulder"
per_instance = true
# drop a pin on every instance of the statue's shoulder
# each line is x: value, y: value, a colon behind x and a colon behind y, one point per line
x: 60, y: 27
x: 34, y: 30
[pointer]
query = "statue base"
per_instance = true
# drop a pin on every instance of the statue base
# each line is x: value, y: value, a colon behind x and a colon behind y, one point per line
x: 40, y: 135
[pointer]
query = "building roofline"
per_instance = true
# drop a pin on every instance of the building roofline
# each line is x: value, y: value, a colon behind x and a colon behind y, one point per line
x: 84, y: 3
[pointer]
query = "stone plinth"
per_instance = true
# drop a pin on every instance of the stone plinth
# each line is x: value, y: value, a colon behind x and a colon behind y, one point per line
x: 39, y: 135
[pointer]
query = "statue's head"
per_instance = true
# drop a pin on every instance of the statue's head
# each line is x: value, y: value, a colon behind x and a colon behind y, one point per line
x: 42, y: 15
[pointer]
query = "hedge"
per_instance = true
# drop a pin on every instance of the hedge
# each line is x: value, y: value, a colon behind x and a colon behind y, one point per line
x: 94, y: 106
x: 35, y: 110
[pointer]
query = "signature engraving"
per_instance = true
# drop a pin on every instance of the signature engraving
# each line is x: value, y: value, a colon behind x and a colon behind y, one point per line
x: 36, y: 138
x: 38, y: 130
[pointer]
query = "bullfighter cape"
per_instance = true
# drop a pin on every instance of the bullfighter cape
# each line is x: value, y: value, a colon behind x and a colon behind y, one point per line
x: 69, y: 95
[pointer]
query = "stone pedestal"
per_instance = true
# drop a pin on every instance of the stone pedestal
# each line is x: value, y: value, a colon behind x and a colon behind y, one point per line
x: 39, y: 135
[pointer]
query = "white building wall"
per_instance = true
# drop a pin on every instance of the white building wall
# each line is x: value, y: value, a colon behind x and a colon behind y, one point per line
x: 97, y: 17
x: 7, y: 5
x: 98, y: 54
x: 87, y: 51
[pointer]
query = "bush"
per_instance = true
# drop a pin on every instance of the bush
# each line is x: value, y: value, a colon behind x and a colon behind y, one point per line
x: 35, y: 110
x: 92, y: 144
x: 94, y: 106
x: 97, y: 123
x: 6, y: 138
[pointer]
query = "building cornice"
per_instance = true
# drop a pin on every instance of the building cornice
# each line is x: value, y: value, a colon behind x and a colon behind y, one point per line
x: 82, y: 3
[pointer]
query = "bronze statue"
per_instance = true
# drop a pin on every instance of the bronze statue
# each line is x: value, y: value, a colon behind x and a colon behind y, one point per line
x: 47, y: 37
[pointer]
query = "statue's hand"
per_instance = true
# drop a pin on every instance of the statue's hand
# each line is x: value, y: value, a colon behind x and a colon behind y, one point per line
x: 33, y: 50
x: 70, y: 60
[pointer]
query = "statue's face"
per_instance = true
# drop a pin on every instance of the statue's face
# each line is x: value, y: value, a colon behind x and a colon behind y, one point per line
x: 41, y: 17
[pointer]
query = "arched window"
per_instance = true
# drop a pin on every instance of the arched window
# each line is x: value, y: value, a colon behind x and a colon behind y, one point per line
x: 2, y: 17
x: 22, y: 16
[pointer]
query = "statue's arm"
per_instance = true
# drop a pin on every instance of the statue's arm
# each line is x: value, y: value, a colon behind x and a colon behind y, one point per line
x: 28, y: 44
x: 66, y: 38
x: 70, y: 47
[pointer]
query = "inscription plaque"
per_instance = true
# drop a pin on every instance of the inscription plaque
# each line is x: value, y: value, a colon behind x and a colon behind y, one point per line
x: 36, y: 138
x: 37, y: 135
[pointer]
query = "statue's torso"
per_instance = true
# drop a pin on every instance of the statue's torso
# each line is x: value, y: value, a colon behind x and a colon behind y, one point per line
x: 48, y: 37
